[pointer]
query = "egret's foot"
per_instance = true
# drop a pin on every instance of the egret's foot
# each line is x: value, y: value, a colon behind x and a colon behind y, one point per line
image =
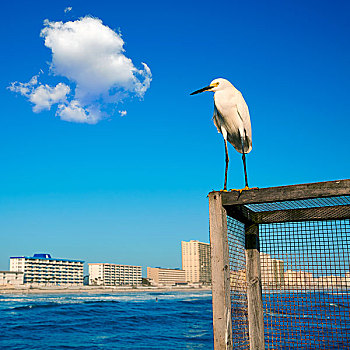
x: 244, y: 189
x: 224, y: 189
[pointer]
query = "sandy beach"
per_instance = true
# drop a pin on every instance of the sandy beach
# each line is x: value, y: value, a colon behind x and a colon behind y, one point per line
x: 94, y: 289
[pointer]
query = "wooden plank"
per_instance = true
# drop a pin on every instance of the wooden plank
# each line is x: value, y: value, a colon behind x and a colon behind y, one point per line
x: 254, y: 293
x: 285, y: 193
x: 220, y: 272
x: 340, y: 212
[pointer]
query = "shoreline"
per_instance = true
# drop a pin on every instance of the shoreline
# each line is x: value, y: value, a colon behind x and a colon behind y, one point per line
x: 97, y: 290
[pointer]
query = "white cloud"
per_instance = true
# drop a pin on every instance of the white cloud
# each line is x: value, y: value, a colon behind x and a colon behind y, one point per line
x: 68, y: 9
x: 123, y: 113
x: 91, y: 56
x: 24, y: 89
x: 74, y: 112
x: 42, y: 96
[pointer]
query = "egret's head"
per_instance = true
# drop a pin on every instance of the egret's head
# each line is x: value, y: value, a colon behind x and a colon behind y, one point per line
x: 215, y: 85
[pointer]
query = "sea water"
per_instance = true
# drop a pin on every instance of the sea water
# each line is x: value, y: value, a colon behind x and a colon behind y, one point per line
x: 138, y: 320
x: 171, y: 320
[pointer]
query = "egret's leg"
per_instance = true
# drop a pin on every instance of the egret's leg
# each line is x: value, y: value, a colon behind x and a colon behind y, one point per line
x: 226, y: 168
x: 244, y: 164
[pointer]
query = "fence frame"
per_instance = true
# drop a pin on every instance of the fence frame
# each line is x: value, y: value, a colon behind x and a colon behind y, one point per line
x: 223, y: 203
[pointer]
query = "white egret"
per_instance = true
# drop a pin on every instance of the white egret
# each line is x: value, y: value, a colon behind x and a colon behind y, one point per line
x: 231, y: 118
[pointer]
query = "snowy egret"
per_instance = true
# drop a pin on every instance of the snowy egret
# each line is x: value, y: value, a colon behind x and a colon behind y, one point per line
x: 231, y: 118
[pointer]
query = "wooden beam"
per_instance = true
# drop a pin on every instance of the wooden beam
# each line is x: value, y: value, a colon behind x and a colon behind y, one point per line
x: 220, y: 272
x: 339, y: 212
x: 254, y: 293
x: 241, y: 213
x: 285, y: 193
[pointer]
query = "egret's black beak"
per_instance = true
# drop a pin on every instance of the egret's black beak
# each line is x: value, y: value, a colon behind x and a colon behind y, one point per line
x: 202, y: 90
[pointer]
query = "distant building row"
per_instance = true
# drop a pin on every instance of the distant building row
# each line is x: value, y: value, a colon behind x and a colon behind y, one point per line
x: 42, y: 269
x: 196, y: 268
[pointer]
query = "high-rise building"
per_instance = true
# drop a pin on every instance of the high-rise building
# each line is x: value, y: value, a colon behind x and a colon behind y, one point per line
x: 114, y: 274
x: 272, y: 271
x: 196, y: 261
x: 158, y: 275
x: 42, y: 269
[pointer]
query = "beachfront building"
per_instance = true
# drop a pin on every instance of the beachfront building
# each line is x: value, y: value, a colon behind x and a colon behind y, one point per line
x: 196, y: 261
x: 101, y: 274
x: 167, y: 277
x: 272, y: 271
x: 11, y: 278
x: 332, y: 282
x: 42, y: 269
x: 299, y: 279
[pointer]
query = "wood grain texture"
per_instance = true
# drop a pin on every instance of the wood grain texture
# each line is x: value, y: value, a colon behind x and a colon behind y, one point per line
x: 285, y: 193
x: 222, y: 323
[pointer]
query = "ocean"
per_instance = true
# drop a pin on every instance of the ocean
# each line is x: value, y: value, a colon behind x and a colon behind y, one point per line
x: 177, y: 320
x: 169, y: 320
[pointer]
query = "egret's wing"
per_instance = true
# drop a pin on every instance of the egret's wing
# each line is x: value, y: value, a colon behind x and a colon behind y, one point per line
x: 232, y: 120
x: 217, y: 119
x: 243, y: 113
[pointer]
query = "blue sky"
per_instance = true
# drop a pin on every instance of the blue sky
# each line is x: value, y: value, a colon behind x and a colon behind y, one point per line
x: 129, y: 188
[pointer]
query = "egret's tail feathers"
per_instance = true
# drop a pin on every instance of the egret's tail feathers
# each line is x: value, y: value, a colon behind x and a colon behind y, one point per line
x: 237, y: 144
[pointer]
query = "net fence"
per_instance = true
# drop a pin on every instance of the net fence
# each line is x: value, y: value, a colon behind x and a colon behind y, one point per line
x: 305, y: 274
x: 239, y: 304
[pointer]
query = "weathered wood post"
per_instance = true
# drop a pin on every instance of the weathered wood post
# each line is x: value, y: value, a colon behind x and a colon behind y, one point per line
x: 220, y: 274
x: 254, y: 293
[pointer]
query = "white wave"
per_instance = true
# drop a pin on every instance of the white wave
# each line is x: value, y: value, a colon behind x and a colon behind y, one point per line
x: 83, y: 298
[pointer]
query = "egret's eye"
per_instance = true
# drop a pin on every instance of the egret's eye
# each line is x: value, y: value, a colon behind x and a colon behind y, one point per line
x: 217, y: 84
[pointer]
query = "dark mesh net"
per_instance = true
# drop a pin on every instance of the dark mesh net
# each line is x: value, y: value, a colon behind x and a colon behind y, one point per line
x: 305, y: 274
x: 236, y: 242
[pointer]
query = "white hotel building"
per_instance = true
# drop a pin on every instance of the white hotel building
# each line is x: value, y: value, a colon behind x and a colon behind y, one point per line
x: 102, y: 274
x: 42, y: 269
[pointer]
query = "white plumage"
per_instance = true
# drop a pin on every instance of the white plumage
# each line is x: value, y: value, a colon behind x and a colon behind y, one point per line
x: 231, y: 118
